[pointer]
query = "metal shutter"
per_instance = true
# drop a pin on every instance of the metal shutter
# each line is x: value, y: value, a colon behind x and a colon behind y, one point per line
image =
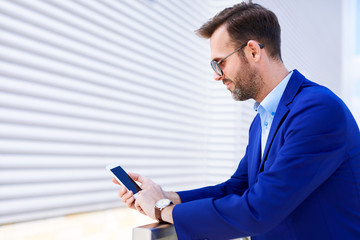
x: 85, y: 83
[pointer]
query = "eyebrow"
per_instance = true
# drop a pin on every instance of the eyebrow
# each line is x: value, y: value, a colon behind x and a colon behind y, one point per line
x: 217, y: 59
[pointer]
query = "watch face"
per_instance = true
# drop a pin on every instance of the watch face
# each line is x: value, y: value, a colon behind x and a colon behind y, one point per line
x: 163, y: 203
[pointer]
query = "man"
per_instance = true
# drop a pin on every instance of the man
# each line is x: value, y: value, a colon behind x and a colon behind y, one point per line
x: 300, y: 176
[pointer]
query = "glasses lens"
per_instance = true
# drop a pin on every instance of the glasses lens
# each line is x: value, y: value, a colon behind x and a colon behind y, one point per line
x: 216, y: 67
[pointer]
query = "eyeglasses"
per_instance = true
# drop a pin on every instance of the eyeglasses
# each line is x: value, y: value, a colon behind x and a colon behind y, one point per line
x: 216, y: 65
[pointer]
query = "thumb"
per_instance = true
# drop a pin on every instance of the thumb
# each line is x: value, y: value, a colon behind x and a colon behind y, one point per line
x: 137, y: 177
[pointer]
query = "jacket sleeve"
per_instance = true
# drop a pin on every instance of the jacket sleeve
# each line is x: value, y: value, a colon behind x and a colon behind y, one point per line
x: 314, y: 135
x: 237, y: 184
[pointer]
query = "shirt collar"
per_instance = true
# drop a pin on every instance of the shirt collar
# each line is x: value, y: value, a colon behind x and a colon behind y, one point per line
x: 271, y: 101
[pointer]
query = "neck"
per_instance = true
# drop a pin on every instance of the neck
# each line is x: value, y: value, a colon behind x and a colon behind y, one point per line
x: 272, y: 74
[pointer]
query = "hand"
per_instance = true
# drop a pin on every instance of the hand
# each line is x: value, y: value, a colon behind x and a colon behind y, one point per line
x: 148, y: 196
x: 126, y: 196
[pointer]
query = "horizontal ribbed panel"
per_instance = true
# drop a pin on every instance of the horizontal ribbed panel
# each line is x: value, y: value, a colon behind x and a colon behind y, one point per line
x: 86, y: 83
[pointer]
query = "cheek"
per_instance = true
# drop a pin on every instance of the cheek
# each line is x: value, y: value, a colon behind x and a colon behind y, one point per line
x: 234, y: 74
x: 240, y: 76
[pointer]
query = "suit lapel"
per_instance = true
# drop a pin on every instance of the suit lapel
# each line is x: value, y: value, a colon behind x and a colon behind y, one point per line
x: 290, y: 92
x: 256, y: 153
x: 281, y: 112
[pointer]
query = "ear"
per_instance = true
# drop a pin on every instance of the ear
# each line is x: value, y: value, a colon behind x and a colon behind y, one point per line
x: 254, y: 50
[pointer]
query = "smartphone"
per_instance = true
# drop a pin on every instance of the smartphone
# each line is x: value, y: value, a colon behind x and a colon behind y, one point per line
x: 122, y: 177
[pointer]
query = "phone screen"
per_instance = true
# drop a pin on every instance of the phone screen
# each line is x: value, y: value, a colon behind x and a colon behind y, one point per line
x: 125, y: 179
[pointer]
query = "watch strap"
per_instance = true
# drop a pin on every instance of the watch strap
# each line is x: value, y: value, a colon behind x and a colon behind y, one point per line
x: 158, y: 214
x: 158, y: 210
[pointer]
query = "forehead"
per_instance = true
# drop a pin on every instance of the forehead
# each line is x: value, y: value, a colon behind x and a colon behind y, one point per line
x: 220, y: 42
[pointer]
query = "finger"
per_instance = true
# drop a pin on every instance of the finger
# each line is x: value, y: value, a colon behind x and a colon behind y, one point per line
x: 138, y: 207
x: 142, y: 211
x: 137, y: 177
x: 126, y: 196
x: 122, y: 192
x: 115, y: 181
x: 130, y: 202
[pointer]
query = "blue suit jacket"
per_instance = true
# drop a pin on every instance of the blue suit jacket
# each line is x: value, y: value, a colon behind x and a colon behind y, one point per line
x: 306, y: 186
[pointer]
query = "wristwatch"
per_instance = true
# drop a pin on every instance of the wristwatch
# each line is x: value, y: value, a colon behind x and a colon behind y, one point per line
x: 159, y: 206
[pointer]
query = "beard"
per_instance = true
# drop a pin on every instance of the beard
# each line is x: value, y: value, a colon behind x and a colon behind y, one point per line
x: 247, y: 84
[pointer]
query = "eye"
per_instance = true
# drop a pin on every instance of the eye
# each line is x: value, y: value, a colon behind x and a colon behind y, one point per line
x: 222, y: 63
x: 218, y: 69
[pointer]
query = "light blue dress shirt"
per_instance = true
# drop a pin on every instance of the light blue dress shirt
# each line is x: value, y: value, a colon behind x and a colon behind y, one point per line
x: 267, y: 109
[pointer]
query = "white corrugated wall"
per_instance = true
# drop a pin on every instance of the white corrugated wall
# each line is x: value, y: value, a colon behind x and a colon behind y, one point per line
x: 84, y: 83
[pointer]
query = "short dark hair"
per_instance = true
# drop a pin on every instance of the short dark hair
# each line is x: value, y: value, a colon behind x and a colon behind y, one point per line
x: 247, y: 21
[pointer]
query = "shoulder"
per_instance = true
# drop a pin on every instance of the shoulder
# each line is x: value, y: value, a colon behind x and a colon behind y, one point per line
x: 318, y: 99
x: 316, y: 110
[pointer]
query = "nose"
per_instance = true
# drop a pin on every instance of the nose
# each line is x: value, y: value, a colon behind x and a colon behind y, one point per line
x: 217, y: 77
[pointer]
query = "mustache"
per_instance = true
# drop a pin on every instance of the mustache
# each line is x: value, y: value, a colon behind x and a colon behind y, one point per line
x: 226, y: 80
